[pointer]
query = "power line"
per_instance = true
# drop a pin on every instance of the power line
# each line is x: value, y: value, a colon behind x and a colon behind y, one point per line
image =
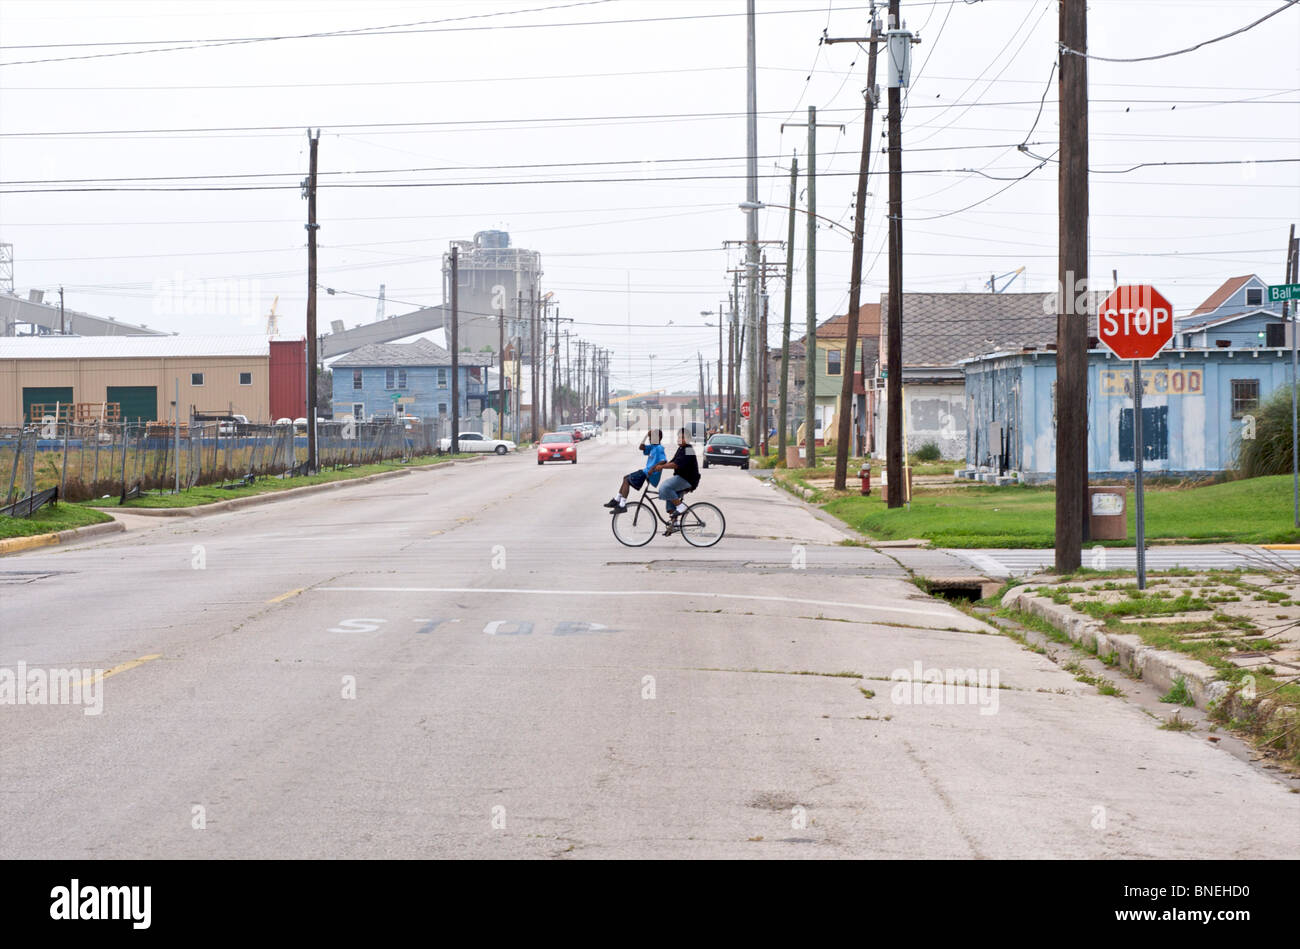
x: 1179, y: 52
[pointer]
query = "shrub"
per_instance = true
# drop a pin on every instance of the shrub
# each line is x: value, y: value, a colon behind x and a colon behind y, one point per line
x: 930, y: 452
x: 1269, y: 452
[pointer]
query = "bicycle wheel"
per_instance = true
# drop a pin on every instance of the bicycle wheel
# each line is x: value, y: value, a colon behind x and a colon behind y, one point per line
x: 703, y: 525
x: 635, y: 525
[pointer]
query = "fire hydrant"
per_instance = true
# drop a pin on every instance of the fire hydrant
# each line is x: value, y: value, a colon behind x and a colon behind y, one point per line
x: 865, y: 474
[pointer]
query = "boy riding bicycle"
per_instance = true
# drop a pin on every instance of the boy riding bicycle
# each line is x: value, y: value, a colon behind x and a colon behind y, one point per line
x: 650, y: 447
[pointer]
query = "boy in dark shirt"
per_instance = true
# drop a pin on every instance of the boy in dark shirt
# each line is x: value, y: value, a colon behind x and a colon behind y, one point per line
x: 685, y: 476
x: 654, y: 454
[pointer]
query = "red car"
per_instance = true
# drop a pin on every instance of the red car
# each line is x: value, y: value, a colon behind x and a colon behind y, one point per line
x: 557, y: 446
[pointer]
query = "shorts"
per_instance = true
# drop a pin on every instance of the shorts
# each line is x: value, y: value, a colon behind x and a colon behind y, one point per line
x: 637, y: 479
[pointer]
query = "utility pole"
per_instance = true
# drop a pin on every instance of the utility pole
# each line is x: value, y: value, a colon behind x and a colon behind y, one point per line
x: 312, y: 227
x: 455, y: 349
x: 783, y: 396
x: 501, y: 372
x: 751, y: 232
x: 699, y: 358
x: 855, y: 274
x: 532, y: 349
x: 1071, y: 326
x: 894, y: 447
x: 810, y: 361
x: 542, y: 368
x: 1289, y: 276
x: 732, y: 409
x: 761, y: 402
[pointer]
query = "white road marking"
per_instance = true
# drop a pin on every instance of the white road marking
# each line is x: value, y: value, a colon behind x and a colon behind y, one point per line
x: 685, y: 593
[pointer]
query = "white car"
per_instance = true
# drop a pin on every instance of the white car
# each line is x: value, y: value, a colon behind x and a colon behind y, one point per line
x: 473, y: 441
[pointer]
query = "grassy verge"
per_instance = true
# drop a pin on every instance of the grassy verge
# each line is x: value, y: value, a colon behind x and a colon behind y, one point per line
x: 50, y: 519
x: 1254, y: 511
x: 211, y: 494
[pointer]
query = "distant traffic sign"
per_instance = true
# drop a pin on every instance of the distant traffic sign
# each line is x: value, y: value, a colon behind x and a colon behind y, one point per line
x: 1135, y: 322
x: 1284, y: 292
x: 744, y: 409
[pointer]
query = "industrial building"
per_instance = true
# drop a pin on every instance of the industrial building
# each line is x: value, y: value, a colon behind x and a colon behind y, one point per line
x: 256, y: 376
x: 35, y: 317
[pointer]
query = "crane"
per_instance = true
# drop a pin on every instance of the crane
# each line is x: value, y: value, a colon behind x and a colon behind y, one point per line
x: 272, y: 320
x: 992, y: 282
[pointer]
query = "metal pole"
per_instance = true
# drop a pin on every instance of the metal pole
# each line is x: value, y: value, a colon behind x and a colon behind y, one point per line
x: 178, y: 435
x: 1138, y: 451
x: 501, y: 373
x: 783, y: 395
x: 1290, y: 277
x: 751, y: 236
x: 312, y: 228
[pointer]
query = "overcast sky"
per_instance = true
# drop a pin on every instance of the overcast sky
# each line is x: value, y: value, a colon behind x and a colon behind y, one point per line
x: 454, y: 105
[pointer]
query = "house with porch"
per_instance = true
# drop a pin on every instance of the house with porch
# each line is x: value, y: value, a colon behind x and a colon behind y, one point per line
x: 390, y: 380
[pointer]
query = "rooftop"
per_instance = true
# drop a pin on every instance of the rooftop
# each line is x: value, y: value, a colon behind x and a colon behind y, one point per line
x: 404, y: 355
x: 131, y: 347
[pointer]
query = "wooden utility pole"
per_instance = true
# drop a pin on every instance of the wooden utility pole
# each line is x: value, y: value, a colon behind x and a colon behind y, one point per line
x: 455, y: 349
x: 1071, y: 325
x: 532, y: 349
x: 855, y: 273
x: 312, y: 227
x: 542, y: 367
x: 732, y: 409
x: 783, y: 396
x: 760, y: 407
x: 894, y: 370
x: 722, y: 361
x: 501, y: 372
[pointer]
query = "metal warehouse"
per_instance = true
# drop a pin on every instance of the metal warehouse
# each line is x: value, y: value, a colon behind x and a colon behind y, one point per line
x: 255, y: 376
x: 1196, y: 403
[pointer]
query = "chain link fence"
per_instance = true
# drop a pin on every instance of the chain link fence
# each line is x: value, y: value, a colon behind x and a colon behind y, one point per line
x: 99, y: 459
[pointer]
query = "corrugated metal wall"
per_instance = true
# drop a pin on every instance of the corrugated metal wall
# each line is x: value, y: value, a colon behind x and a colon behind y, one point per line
x: 287, y: 385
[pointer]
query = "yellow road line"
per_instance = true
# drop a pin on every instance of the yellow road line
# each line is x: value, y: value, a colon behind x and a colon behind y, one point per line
x: 122, y: 668
x: 1280, y: 546
x: 285, y: 596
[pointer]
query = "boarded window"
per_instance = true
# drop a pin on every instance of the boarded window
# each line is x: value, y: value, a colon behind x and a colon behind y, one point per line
x: 356, y: 378
x: 1155, y: 433
x: 1245, y: 396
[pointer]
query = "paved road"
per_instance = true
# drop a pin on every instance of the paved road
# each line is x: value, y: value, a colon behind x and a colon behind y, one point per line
x: 524, y: 686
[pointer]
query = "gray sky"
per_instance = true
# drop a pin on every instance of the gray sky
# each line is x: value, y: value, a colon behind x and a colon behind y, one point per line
x: 502, y: 90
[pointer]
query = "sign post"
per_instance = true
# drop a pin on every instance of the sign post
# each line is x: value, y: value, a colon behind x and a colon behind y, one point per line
x: 1284, y: 293
x: 1135, y: 322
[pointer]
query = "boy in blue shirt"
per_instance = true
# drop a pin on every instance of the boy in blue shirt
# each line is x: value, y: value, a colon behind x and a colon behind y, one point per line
x: 654, y: 456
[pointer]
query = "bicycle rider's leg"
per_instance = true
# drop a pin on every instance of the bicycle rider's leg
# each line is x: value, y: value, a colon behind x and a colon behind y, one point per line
x: 631, y: 481
x: 670, y: 492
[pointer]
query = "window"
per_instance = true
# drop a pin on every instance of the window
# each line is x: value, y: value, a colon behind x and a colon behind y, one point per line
x: 1245, y: 396
x: 196, y: 378
x: 832, y: 362
x: 442, y: 378
x: 1254, y: 296
x: 245, y: 378
x: 394, y: 378
x: 401, y: 378
x: 442, y: 408
x: 1276, y: 334
x: 359, y: 411
x: 356, y: 378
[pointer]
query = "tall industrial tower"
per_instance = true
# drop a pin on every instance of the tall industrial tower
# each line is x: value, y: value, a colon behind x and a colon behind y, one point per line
x: 493, y: 276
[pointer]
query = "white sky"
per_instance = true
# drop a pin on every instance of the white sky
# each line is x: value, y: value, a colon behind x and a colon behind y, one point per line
x: 622, y: 252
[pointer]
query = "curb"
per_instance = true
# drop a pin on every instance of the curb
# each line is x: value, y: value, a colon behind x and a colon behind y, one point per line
x: 15, y: 545
x: 218, y: 507
x: 1159, y: 667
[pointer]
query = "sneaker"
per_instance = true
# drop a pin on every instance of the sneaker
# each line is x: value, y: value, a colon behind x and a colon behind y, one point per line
x: 614, y: 502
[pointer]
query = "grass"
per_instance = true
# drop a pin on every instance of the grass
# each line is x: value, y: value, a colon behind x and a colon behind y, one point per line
x: 1253, y: 511
x: 50, y: 519
x: 1178, y: 694
x: 211, y: 494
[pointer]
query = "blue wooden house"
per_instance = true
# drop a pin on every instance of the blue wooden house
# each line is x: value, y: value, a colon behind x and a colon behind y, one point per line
x: 388, y: 380
x: 1237, y: 314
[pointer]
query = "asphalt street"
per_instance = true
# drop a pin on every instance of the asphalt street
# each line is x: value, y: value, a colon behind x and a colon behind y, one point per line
x: 465, y: 663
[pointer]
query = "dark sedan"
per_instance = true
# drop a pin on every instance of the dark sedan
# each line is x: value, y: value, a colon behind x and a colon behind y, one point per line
x: 726, y: 450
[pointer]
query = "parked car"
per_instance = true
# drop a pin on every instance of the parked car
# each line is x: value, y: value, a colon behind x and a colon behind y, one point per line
x: 574, y: 430
x: 473, y: 441
x: 726, y: 450
x: 557, y: 446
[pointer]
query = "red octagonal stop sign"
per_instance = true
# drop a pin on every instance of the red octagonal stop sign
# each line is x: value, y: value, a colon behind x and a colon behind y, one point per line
x: 1135, y: 322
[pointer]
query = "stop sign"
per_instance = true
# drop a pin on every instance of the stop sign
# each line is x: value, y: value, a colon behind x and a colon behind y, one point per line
x: 1135, y: 322
x: 744, y: 409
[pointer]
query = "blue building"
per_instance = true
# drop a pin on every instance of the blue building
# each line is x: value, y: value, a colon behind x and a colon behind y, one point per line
x: 1237, y: 314
x: 1196, y: 404
x: 388, y: 380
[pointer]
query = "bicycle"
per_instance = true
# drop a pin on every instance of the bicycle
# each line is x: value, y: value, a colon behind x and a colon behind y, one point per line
x: 701, y: 524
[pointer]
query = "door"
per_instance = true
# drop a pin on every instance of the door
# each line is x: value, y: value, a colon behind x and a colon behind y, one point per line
x: 44, y: 395
x: 1155, y: 433
x: 138, y: 403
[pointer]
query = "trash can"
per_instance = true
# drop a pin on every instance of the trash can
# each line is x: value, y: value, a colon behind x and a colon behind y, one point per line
x: 884, y: 483
x: 1107, y: 512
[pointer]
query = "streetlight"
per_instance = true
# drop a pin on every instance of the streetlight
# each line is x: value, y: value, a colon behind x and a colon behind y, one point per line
x: 748, y: 206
